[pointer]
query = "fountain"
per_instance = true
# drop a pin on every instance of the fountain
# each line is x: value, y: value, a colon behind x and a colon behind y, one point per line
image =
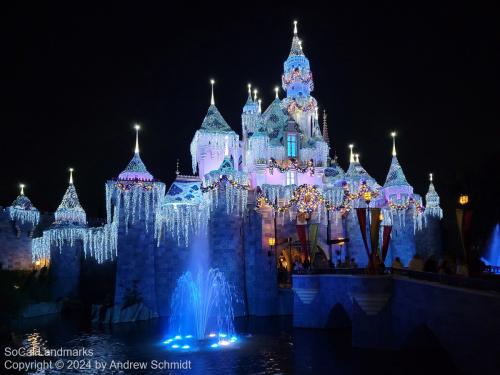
x: 202, y: 305
x: 201, y: 308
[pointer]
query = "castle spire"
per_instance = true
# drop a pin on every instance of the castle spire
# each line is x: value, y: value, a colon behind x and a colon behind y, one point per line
x: 296, y: 43
x: 393, y: 135
x: 430, y: 177
x: 22, y: 189
x: 326, y: 138
x: 71, y: 176
x: 351, y: 157
x: 249, y: 92
x: 260, y: 105
x: 277, y: 90
x: 212, y: 99
x: 137, y: 127
x: 254, y: 95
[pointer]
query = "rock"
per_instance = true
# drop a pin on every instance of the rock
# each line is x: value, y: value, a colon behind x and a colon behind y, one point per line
x: 132, y: 313
x: 40, y: 309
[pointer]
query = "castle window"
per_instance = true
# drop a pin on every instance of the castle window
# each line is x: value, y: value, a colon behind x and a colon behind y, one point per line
x: 291, y: 178
x: 291, y: 141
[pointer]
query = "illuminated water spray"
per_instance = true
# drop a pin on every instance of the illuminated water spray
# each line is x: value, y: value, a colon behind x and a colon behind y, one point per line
x: 202, y: 309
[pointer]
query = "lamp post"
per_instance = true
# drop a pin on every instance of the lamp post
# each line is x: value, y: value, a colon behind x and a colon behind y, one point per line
x: 368, y: 197
x: 464, y: 222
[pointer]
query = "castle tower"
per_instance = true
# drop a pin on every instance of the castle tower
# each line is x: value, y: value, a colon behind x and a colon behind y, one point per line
x: 429, y: 239
x: 213, y: 141
x: 64, y: 242
x: 297, y: 81
x: 17, y: 226
x: 132, y: 201
x: 23, y: 211
x: 249, y: 120
x: 355, y: 177
x: 400, y: 211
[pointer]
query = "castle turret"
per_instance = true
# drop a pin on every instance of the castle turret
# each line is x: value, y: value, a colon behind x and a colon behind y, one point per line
x: 297, y: 81
x: 23, y: 211
x: 396, y: 188
x: 402, y: 211
x: 249, y: 121
x: 429, y: 239
x: 132, y: 203
x: 63, y: 244
x: 213, y: 141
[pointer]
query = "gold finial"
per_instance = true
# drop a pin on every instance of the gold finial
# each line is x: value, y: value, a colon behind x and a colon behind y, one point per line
x: 357, y: 158
x: 71, y: 176
x: 22, y: 188
x: 260, y: 105
x: 393, y: 135
x: 351, y: 157
x: 249, y: 89
x: 277, y: 90
x: 430, y: 177
x: 254, y: 95
x: 212, y: 99
x: 295, y: 27
x: 137, y: 127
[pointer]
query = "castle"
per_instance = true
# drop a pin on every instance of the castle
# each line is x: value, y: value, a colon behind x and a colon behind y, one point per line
x: 254, y: 203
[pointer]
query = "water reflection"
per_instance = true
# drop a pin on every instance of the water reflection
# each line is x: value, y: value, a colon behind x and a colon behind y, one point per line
x: 265, y: 346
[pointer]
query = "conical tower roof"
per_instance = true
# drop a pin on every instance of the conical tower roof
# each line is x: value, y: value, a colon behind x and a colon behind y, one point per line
x: 296, y: 49
x: 214, y: 122
x: 333, y: 173
x: 70, y: 210
x: 432, y: 197
x: 395, y: 177
x: 136, y: 170
x: 23, y: 210
x: 22, y: 202
x: 356, y: 170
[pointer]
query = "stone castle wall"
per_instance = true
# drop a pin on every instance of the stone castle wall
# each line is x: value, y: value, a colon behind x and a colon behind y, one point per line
x: 15, y: 241
x: 428, y: 241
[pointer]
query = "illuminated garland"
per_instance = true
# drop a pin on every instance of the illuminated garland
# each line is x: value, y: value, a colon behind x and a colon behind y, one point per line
x: 294, y: 106
x: 297, y: 75
x: 224, y: 179
x: 291, y: 163
x: 307, y: 198
x: 128, y: 185
x: 404, y: 206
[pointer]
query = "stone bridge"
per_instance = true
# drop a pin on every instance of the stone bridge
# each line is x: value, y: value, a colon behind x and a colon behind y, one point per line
x: 388, y: 312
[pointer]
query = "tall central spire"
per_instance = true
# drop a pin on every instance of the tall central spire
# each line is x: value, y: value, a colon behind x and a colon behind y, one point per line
x: 296, y: 43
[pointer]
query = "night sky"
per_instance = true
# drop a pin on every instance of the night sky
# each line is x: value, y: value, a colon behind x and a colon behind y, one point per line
x: 73, y: 81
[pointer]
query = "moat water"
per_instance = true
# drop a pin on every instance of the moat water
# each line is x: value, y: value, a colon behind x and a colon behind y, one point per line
x: 265, y: 346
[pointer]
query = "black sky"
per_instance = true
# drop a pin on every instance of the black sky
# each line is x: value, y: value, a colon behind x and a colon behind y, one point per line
x: 74, y: 79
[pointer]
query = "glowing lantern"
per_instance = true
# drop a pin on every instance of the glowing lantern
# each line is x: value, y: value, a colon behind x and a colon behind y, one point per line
x: 463, y: 199
x: 271, y: 241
